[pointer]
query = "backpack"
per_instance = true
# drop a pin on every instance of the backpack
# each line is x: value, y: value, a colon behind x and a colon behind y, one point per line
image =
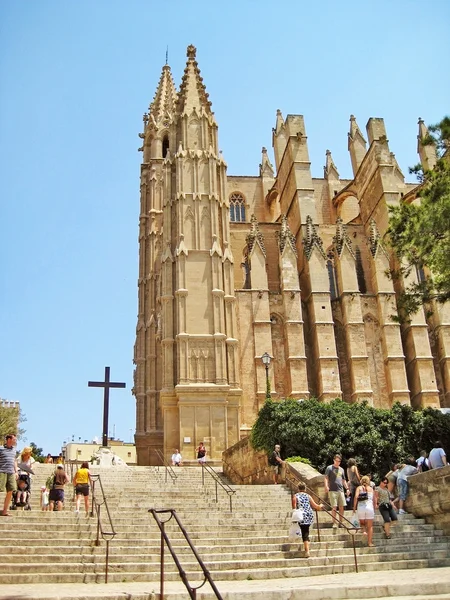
x: 50, y: 482
x: 272, y: 460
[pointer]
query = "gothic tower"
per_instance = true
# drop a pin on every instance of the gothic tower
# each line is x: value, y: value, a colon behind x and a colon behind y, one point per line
x: 186, y: 353
x: 308, y: 283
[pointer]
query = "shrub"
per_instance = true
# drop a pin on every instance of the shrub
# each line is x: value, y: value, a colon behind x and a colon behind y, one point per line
x: 299, y: 459
x: 376, y: 438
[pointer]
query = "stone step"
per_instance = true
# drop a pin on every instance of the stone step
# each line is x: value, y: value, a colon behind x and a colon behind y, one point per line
x: 149, y: 564
x: 90, y: 576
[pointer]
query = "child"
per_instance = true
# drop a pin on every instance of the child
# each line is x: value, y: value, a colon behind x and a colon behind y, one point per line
x: 22, y: 493
x: 44, y: 498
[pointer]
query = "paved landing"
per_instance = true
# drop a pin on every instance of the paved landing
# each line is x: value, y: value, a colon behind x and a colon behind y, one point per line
x: 420, y: 584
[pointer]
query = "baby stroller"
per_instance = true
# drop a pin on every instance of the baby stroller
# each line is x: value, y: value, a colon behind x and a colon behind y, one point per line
x: 22, y: 496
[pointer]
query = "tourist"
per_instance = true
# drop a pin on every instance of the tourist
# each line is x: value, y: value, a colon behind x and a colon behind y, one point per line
x: 44, y: 498
x: 26, y: 460
x: 81, y: 482
x: 404, y: 473
x: 437, y: 458
x: 8, y: 471
x: 422, y: 463
x: 201, y: 453
x: 60, y: 459
x: 57, y: 491
x: 385, y: 506
x: 276, y: 462
x: 48, y: 459
x: 22, y: 494
x: 364, y: 505
x: 334, y: 485
x: 302, y: 500
x: 392, y: 484
x: 353, y: 478
x: 176, y: 458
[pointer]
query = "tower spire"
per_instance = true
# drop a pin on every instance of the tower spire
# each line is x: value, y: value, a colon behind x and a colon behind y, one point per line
x: 193, y: 94
x: 356, y: 145
x: 165, y: 97
x: 426, y: 150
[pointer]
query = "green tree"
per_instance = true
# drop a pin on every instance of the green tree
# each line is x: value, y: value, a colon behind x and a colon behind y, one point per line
x: 10, y: 419
x: 420, y: 232
x: 37, y: 453
x: 376, y: 438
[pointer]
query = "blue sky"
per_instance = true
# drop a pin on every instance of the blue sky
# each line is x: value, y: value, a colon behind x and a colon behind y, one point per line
x: 76, y: 78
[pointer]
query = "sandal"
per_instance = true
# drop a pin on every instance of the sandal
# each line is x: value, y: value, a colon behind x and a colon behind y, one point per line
x: 387, y: 536
x: 6, y: 514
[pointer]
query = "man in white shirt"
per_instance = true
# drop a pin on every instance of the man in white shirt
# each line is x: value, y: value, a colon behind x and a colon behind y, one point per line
x: 176, y: 458
x: 437, y: 456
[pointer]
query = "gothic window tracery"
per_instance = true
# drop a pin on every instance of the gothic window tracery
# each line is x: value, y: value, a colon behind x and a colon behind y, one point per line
x: 237, y: 208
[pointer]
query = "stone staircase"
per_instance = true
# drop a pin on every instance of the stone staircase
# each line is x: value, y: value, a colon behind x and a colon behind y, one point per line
x: 249, y: 543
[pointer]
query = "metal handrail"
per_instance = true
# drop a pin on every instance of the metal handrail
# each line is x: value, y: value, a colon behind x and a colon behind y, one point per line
x: 293, y: 479
x: 229, y: 490
x: 98, y: 503
x: 167, y: 466
x: 164, y: 538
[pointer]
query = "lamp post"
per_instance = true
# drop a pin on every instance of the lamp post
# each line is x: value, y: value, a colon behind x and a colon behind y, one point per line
x: 266, y: 358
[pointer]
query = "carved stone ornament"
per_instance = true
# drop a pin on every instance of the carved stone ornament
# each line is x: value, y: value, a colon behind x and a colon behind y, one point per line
x: 341, y: 238
x: 255, y: 236
x: 312, y: 239
x: 285, y: 236
x: 374, y: 239
x: 191, y: 51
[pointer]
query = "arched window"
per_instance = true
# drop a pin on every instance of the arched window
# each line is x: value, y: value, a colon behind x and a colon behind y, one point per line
x: 237, y: 207
x: 165, y: 146
x: 334, y: 291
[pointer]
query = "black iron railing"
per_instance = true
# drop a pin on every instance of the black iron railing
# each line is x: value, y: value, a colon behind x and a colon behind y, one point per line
x: 98, y: 502
x: 207, y: 470
x: 169, y: 472
x: 165, y: 541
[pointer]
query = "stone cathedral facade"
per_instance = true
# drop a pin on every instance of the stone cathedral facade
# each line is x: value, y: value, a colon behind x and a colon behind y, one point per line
x: 231, y: 267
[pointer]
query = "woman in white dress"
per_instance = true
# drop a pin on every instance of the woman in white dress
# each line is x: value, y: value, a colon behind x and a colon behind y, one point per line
x: 365, y: 504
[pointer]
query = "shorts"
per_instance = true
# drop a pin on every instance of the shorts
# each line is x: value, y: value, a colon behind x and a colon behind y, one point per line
x: 8, y: 481
x: 387, y: 512
x: 56, y: 495
x: 82, y: 489
x: 365, y: 512
x: 276, y: 469
x: 402, y: 486
x: 337, y: 499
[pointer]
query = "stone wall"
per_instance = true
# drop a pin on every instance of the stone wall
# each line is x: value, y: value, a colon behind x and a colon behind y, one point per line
x: 242, y: 464
x: 429, y: 497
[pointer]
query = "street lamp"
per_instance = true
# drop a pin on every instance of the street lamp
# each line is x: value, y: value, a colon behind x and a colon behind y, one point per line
x: 266, y: 358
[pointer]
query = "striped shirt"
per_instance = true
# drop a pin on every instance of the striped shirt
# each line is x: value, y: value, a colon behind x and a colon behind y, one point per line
x: 7, y: 460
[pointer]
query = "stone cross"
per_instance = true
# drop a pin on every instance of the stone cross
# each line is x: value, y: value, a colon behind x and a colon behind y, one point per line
x: 106, y: 385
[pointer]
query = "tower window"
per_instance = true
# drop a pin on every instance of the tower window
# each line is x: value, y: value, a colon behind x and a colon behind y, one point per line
x: 165, y: 145
x: 237, y: 207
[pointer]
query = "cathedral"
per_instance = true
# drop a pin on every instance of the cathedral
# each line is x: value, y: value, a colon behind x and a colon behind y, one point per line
x: 280, y: 267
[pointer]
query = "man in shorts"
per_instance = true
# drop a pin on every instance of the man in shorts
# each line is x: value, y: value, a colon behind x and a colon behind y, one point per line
x: 334, y: 485
x: 8, y: 471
